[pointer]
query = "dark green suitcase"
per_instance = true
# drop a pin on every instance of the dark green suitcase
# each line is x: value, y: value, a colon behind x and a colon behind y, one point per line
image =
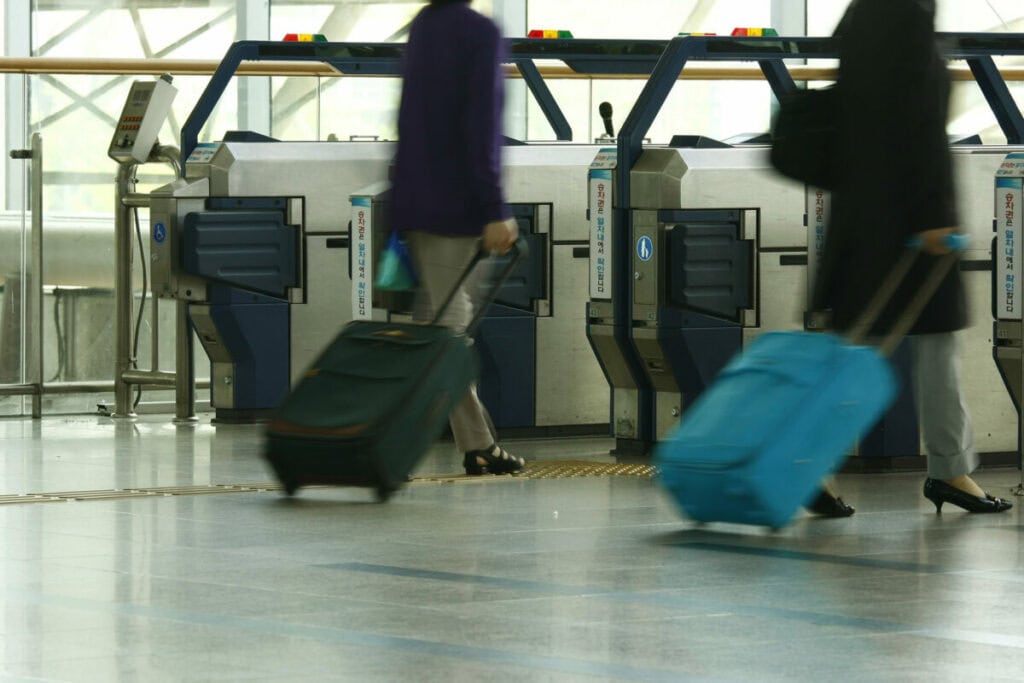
x: 374, y: 402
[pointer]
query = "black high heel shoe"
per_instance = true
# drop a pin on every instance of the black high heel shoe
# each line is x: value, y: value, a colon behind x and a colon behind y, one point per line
x: 827, y: 505
x: 939, y: 492
x: 496, y: 461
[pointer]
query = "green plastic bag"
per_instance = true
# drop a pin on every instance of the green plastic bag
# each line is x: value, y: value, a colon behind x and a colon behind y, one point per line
x: 394, y: 270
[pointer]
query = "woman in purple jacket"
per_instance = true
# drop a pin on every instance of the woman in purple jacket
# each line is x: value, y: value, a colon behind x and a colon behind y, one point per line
x: 447, y: 197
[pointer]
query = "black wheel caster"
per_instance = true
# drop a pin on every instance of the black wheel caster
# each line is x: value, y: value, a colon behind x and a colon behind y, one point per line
x: 290, y: 487
x: 384, y: 493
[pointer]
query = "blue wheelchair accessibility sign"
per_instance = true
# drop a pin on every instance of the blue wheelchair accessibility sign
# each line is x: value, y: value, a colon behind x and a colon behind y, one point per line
x: 159, y: 233
x: 645, y: 248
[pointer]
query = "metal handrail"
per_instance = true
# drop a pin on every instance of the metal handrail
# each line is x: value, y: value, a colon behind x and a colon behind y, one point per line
x: 637, y: 57
x: 200, y: 67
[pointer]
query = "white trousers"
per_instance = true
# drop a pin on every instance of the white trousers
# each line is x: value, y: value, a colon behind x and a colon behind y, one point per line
x: 440, y: 260
x: 941, y: 411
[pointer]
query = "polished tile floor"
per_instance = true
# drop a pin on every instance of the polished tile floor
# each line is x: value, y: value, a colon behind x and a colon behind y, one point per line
x: 587, y: 579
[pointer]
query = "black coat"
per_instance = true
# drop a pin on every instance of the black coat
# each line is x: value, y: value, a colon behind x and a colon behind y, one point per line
x: 894, y: 170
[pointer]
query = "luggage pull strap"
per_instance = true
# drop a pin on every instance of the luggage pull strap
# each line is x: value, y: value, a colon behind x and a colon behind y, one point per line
x: 859, y: 332
x: 518, y: 252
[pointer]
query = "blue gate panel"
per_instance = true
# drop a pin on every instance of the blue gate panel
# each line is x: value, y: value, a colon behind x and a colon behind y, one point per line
x: 257, y: 337
x: 254, y: 250
x: 507, y: 345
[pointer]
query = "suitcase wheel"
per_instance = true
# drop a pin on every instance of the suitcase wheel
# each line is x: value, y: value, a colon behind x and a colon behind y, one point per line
x: 384, y: 492
x: 290, y: 487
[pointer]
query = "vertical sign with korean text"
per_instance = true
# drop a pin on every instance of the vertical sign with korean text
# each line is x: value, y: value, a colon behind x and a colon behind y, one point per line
x: 1009, y: 207
x: 601, y: 177
x: 818, y: 207
x: 361, y: 241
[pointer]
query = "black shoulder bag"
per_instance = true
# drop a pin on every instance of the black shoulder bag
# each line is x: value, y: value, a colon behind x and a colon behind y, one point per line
x: 804, y: 137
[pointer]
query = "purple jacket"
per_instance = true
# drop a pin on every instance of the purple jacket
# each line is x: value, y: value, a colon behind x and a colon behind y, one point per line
x: 447, y: 175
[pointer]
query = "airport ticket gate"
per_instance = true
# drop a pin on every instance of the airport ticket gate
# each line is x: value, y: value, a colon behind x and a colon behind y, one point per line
x: 299, y: 190
x: 630, y: 227
x: 692, y: 292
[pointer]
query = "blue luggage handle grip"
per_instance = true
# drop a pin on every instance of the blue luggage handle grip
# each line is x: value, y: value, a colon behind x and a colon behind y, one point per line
x: 956, y: 241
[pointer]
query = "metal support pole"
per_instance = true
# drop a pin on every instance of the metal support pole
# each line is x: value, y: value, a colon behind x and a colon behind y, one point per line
x: 151, y: 378
x: 135, y: 200
x: 184, y: 368
x: 34, y: 279
x: 154, y: 326
x: 101, y: 387
x: 125, y: 374
x: 37, y: 270
x: 123, y: 290
x: 17, y: 389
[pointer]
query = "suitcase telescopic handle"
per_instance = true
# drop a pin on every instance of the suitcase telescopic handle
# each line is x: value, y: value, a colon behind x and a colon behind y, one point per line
x: 956, y: 242
x: 519, y: 251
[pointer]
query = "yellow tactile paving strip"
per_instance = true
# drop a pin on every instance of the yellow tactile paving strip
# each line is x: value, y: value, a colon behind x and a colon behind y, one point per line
x: 557, y: 469
x: 117, y: 494
x: 561, y: 469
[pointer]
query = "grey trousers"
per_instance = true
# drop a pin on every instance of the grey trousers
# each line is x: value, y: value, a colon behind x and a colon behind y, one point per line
x: 440, y: 260
x: 942, y: 414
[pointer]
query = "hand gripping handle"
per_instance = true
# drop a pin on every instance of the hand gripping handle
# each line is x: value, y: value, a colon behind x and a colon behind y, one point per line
x: 519, y: 251
x: 956, y: 242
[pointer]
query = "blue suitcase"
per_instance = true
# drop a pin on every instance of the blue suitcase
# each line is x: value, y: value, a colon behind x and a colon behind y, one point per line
x: 784, y: 413
x: 780, y: 417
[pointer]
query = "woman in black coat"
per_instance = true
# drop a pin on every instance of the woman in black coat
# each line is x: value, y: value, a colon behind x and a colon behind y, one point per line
x: 894, y: 180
